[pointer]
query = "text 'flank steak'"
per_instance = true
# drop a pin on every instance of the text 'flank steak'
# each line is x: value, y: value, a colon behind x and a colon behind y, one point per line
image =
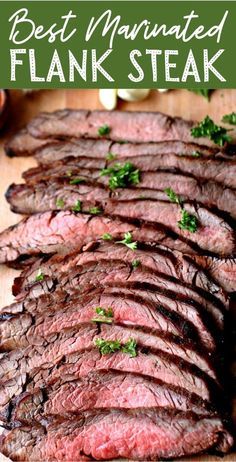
x: 114, y: 347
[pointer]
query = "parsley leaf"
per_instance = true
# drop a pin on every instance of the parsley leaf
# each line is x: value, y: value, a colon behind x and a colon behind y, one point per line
x: 121, y: 176
x: 128, y: 241
x: 188, y: 222
x: 107, y: 346
x: 110, y: 156
x: 173, y: 196
x: 130, y: 348
x: 107, y: 237
x: 111, y: 346
x: 229, y: 118
x: 60, y: 203
x: 77, y: 207
x: 105, y: 316
x: 196, y: 154
x: 95, y: 210
x: 208, y: 129
x: 40, y: 276
x: 104, y: 130
x: 77, y: 180
x: 135, y: 263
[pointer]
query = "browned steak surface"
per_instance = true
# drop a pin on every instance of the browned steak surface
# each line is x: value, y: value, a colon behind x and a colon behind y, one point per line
x: 137, y: 126
x: 136, y: 434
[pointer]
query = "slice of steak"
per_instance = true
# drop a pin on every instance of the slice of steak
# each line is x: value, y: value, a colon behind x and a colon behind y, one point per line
x: 102, y: 148
x: 166, y: 367
x: 23, y: 144
x: 104, y: 390
x: 157, y: 311
x: 213, y: 233
x: 148, y: 434
x: 159, y: 258
x: 222, y: 270
x: 32, y: 198
x: 136, y: 126
x: 129, y: 309
x: 62, y: 232
x: 220, y: 171
x: 94, y: 272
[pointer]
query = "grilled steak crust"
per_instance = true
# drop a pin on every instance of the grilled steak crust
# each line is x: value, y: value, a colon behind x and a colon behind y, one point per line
x: 23, y: 144
x: 36, y: 197
x: 156, y: 257
x: 219, y: 171
x: 62, y: 232
x: 104, y: 390
x: 142, y: 434
x: 139, y: 126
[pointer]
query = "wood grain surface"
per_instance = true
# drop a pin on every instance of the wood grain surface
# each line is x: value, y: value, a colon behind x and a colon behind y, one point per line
x: 24, y: 106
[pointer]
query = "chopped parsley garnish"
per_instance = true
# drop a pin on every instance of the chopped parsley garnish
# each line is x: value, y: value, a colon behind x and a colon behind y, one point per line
x: 188, y: 222
x: 60, y: 203
x: 203, y: 92
x: 130, y: 348
x: 111, y: 346
x: 128, y: 241
x: 95, y: 210
x: 77, y: 180
x: 77, y: 207
x: 104, y: 130
x: 104, y: 316
x: 40, y: 276
x: 173, y: 196
x: 110, y: 156
x: 229, y: 118
x: 107, y: 237
x: 208, y: 129
x: 135, y: 263
x: 196, y: 154
x: 121, y: 176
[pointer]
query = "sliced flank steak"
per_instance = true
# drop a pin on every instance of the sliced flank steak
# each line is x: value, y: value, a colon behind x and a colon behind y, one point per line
x: 159, y: 310
x: 48, y: 150
x: 136, y: 126
x: 219, y: 171
x: 155, y: 257
x: 101, y: 272
x: 147, y: 434
x: 104, y: 390
x: 63, y: 231
x: 40, y: 197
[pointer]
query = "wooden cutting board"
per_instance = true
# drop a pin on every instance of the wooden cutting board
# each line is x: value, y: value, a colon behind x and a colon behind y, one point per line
x: 24, y: 106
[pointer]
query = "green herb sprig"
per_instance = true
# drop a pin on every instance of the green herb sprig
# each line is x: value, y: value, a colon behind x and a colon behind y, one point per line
x: 229, y: 118
x: 104, y: 130
x: 107, y: 237
x: 208, y: 129
x: 104, y: 315
x: 95, y: 210
x: 77, y: 207
x: 40, y: 276
x: 128, y: 241
x: 111, y: 346
x: 110, y: 156
x: 121, y: 176
x: 77, y: 180
x: 135, y: 263
x: 188, y: 222
x: 60, y: 203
